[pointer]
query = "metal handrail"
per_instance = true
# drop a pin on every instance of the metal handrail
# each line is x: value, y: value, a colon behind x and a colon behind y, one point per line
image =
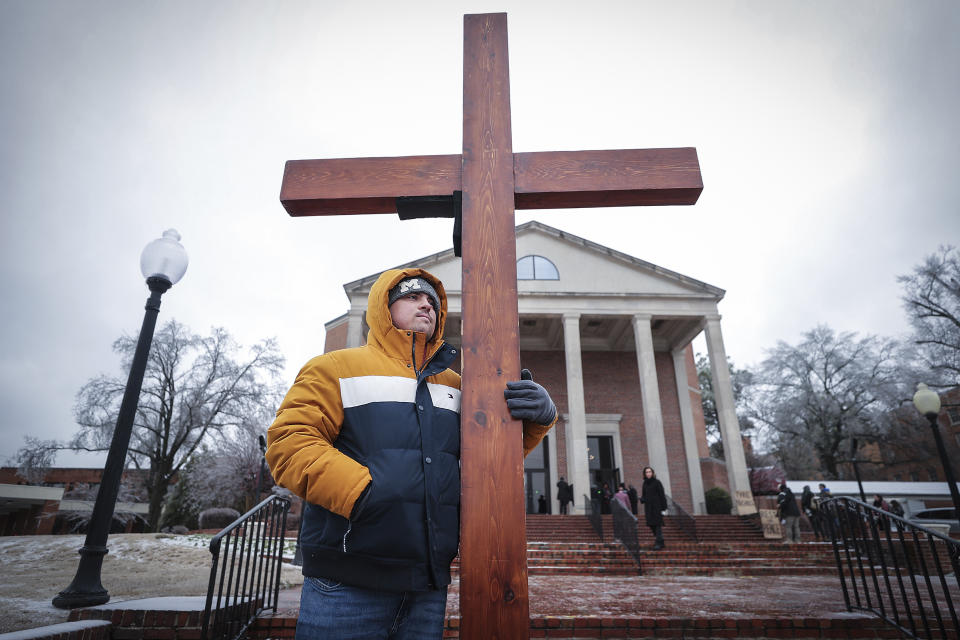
x: 247, y: 582
x: 625, y: 531
x: 905, y: 573
x: 686, y: 521
x: 594, y: 513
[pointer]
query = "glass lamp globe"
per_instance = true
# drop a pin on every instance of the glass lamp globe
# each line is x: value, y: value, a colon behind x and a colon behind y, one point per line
x: 164, y: 258
x: 926, y: 401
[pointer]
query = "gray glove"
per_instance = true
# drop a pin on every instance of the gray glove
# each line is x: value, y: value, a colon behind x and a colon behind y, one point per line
x: 527, y: 400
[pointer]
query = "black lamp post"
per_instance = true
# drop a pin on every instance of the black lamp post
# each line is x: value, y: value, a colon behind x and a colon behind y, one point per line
x: 163, y: 262
x: 927, y: 403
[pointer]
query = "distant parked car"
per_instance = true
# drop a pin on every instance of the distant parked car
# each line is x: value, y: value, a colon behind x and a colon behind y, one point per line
x: 942, y: 515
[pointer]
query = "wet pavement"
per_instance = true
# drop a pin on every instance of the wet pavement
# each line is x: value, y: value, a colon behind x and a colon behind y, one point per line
x: 667, y: 596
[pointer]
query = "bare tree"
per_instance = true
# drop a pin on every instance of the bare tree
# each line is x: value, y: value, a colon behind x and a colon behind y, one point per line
x: 194, y: 388
x: 223, y: 473
x: 78, y: 521
x: 35, y: 458
x: 741, y: 379
x: 931, y: 298
x: 813, y: 397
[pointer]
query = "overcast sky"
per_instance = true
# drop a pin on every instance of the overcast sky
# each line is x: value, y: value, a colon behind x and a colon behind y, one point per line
x: 826, y: 131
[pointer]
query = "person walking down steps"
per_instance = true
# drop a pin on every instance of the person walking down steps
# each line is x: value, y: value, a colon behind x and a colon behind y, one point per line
x: 654, y: 502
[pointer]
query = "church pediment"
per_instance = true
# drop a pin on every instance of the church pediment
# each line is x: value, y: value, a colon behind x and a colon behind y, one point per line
x: 584, y: 268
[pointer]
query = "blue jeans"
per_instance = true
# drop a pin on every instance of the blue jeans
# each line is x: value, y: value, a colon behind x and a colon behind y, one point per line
x: 331, y: 611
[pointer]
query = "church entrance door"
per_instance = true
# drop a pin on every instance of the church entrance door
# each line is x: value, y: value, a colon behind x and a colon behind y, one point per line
x: 536, y: 477
x: 602, y: 467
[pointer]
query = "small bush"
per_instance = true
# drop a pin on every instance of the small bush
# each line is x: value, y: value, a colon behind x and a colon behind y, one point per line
x: 218, y: 517
x: 718, y: 501
x: 179, y: 530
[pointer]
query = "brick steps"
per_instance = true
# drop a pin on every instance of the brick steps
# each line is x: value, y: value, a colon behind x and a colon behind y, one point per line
x: 686, y: 558
x: 556, y: 528
x: 585, y: 626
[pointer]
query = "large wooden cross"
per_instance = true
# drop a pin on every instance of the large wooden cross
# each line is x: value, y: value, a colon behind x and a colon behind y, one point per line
x: 494, y: 181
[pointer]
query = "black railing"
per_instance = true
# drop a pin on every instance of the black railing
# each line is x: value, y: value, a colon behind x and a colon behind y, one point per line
x: 245, y: 573
x: 906, y: 574
x: 594, y: 511
x: 625, y: 530
x: 686, y: 522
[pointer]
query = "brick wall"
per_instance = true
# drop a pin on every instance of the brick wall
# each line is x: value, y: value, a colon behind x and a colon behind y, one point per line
x: 714, y: 474
x: 612, y: 385
x: 336, y: 338
x: 63, y: 476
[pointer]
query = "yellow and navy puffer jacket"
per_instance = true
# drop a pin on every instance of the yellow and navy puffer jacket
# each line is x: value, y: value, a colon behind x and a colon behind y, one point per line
x: 387, y: 415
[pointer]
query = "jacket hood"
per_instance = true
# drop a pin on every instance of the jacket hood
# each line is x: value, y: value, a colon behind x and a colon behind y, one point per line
x: 382, y: 332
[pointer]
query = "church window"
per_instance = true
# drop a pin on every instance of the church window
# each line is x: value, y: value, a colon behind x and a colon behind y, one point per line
x: 536, y: 268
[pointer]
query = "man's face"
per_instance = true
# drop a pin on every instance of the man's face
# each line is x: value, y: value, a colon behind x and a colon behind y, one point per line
x: 413, y: 312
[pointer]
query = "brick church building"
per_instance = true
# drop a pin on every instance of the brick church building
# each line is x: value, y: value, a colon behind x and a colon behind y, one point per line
x: 609, y: 336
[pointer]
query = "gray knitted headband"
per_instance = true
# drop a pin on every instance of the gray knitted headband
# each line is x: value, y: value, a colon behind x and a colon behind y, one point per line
x: 415, y: 284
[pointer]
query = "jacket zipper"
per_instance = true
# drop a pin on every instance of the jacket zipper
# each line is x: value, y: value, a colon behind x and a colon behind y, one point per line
x: 413, y: 353
x: 413, y: 356
x: 346, y: 533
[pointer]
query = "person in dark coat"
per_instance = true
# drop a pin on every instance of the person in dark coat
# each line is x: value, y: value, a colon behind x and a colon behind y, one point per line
x: 542, y: 504
x: 564, y: 495
x: 880, y: 503
x: 811, y: 509
x: 654, y: 504
x: 634, y: 499
x: 789, y: 513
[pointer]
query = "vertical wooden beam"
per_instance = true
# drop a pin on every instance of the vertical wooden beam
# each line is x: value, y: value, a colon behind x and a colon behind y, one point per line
x: 493, y: 545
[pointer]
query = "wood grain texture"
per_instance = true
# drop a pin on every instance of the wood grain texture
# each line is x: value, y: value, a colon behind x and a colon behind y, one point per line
x: 493, y: 558
x: 543, y: 180
x: 364, y: 185
x: 614, y: 178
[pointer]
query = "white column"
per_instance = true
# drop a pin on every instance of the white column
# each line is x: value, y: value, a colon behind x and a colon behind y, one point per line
x: 578, y: 471
x: 650, y: 393
x: 354, y: 327
x: 689, y: 437
x: 736, y: 461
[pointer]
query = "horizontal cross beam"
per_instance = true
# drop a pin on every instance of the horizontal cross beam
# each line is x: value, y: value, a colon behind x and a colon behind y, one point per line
x: 543, y: 180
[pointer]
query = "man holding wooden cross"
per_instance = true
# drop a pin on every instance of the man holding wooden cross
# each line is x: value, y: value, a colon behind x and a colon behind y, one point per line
x: 369, y: 437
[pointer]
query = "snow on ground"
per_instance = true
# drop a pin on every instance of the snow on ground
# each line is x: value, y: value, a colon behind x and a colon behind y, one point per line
x: 35, y: 568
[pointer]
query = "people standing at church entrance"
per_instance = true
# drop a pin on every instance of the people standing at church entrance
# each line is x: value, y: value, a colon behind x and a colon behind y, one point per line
x: 789, y: 513
x: 634, y: 499
x: 622, y: 497
x: 564, y: 495
x: 654, y: 501
x: 605, y: 496
x: 369, y: 437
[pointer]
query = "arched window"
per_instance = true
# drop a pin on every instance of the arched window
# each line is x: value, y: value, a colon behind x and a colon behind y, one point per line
x: 536, y: 268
